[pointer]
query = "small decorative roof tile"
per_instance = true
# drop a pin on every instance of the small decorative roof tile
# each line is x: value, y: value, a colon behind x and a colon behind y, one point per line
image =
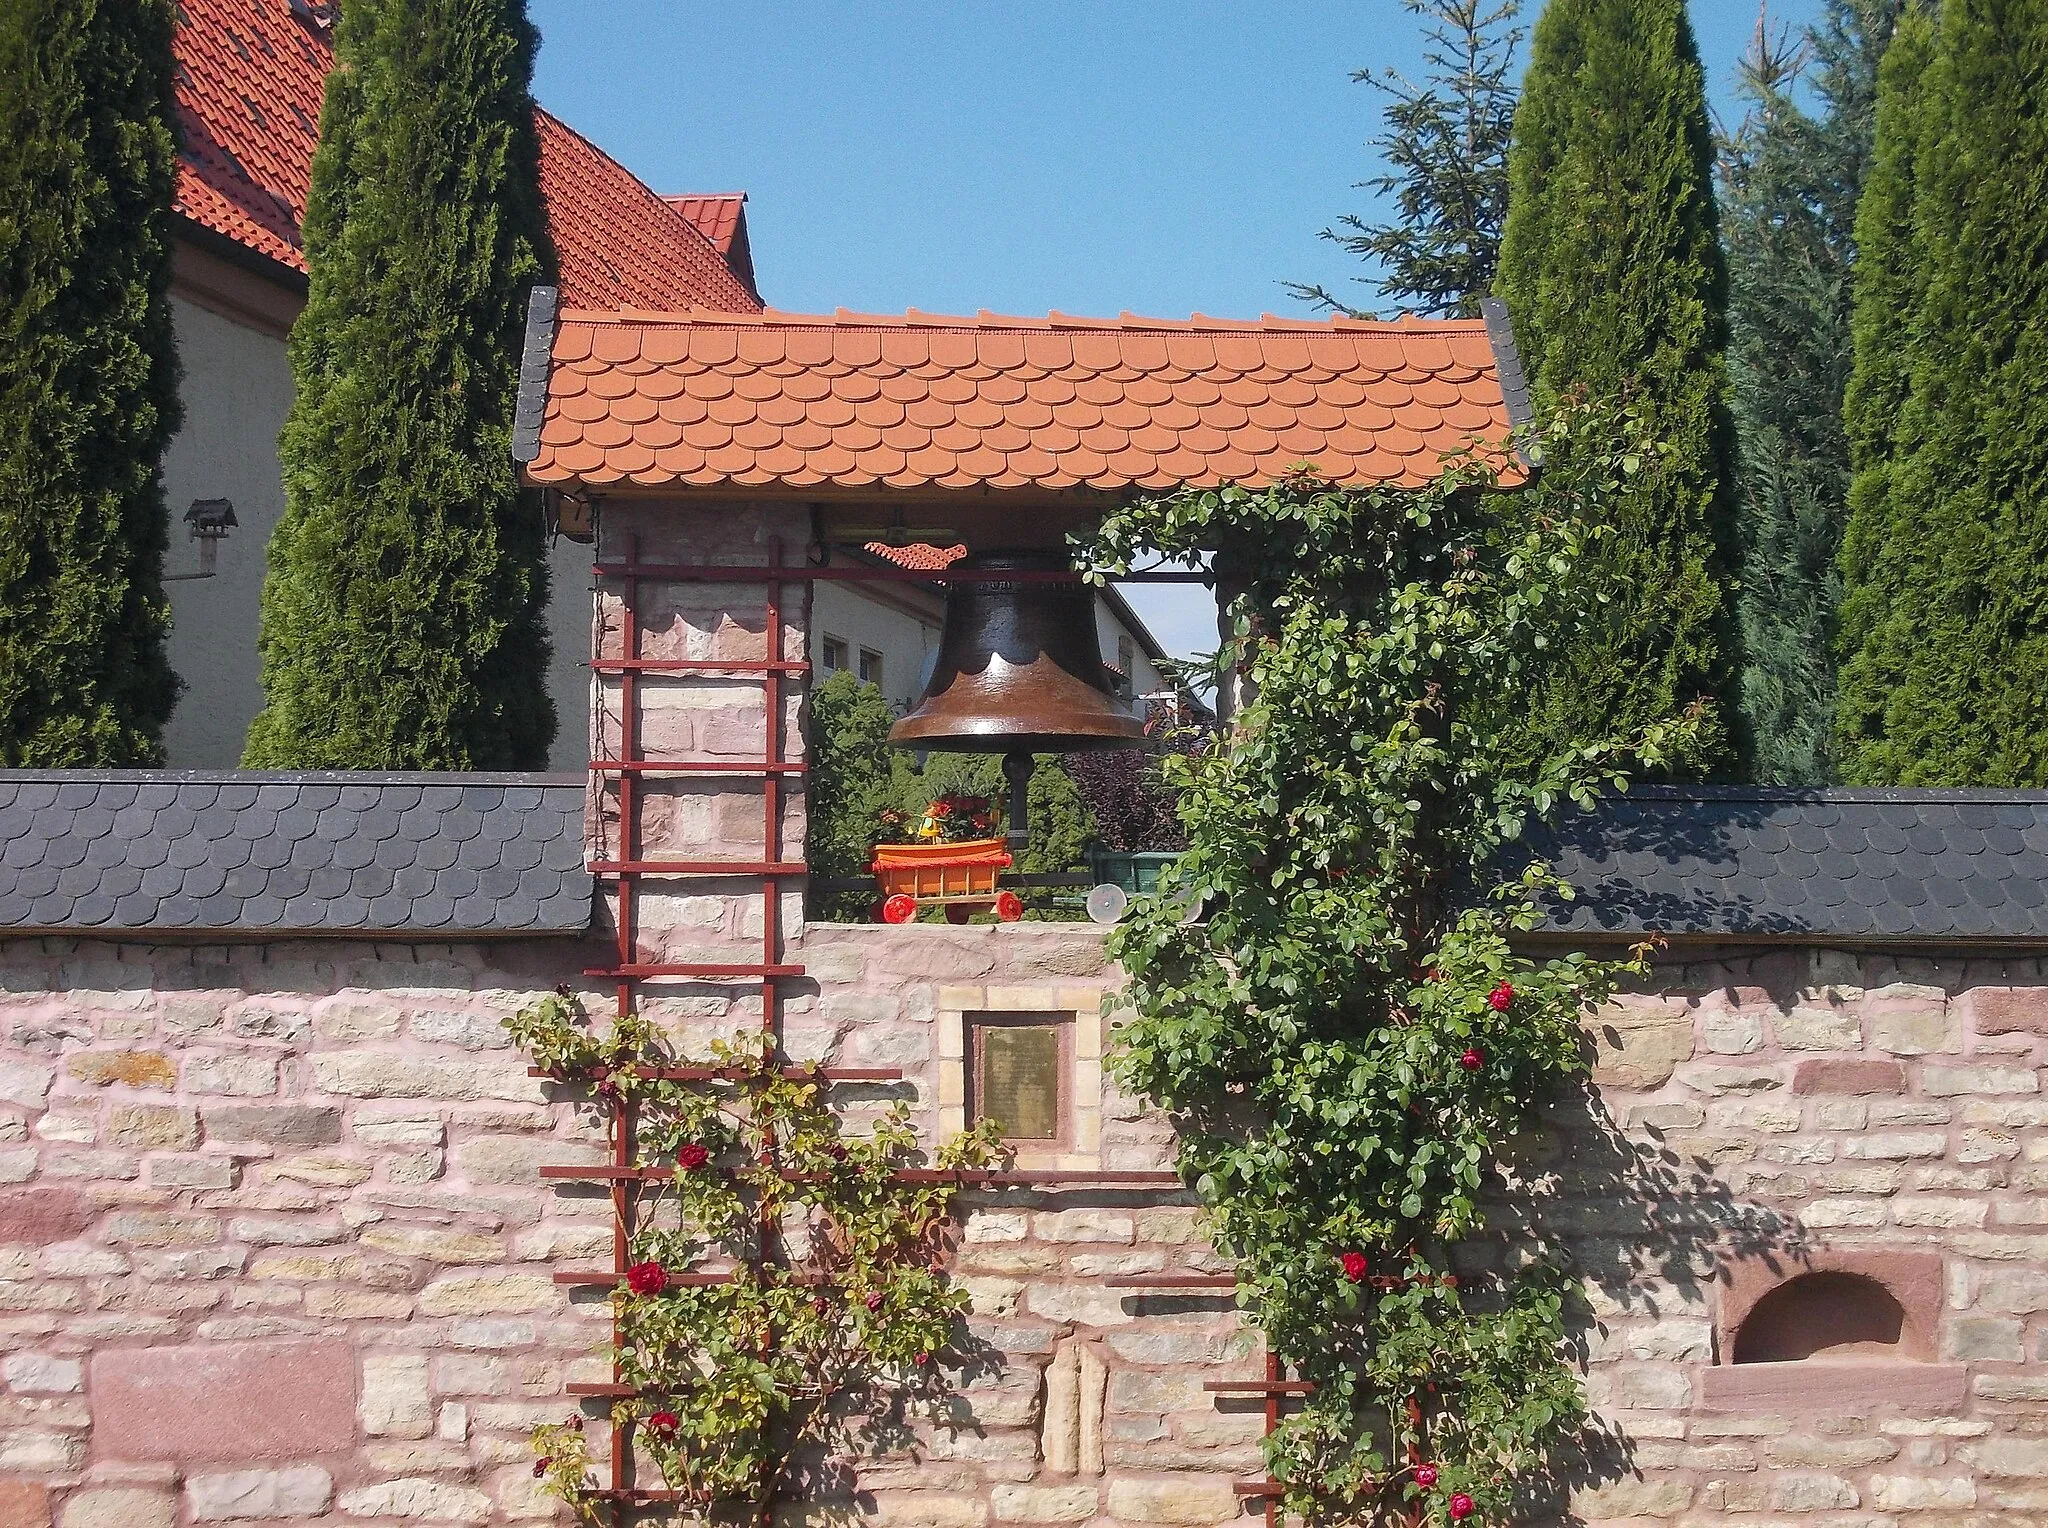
x: 707, y: 399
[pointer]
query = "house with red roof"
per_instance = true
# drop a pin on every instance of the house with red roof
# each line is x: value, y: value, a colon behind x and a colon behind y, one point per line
x: 250, y: 77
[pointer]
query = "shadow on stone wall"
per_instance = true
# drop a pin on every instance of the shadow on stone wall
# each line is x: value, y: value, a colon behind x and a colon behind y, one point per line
x: 1645, y: 1230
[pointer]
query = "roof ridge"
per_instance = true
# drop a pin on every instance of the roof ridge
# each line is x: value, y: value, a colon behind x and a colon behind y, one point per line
x: 1053, y: 322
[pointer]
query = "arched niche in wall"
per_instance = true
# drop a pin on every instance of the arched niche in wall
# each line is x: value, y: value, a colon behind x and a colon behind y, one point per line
x: 1830, y: 1326
x: 1828, y: 1315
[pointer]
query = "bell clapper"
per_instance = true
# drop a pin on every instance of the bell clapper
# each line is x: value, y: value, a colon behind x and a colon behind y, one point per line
x: 1017, y: 771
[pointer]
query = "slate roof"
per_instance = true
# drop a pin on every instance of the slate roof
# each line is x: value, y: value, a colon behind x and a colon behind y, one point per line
x: 1786, y: 864
x: 241, y: 854
x: 855, y: 400
x: 250, y: 78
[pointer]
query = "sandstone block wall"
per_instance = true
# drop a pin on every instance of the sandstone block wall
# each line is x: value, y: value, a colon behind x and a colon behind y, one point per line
x: 271, y: 1244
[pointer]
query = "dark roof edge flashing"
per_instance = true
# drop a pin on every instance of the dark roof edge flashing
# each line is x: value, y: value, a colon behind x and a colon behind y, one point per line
x: 235, y: 252
x: 1514, y: 381
x: 543, y: 303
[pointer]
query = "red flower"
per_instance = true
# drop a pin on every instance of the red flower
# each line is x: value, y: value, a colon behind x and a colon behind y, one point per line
x: 648, y: 1278
x: 941, y: 809
x: 1355, y: 1265
x: 874, y: 1301
x: 663, y: 1425
x: 924, y: 1358
x: 1499, y: 998
x: 691, y: 1157
x: 540, y: 1467
x: 1473, y: 1059
x: 835, y: 1151
x: 1461, y: 1506
x: 1425, y: 1475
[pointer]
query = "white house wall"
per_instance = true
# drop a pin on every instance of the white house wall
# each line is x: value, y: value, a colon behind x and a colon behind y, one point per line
x: 861, y: 619
x: 237, y: 390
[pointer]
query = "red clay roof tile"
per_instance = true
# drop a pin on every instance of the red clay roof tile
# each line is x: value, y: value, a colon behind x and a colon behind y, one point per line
x: 251, y: 74
x: 924, y: 401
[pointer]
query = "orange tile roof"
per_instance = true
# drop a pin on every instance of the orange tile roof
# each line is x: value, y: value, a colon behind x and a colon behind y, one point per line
x: 715, y: 215
x: 250, y: 78
x: 927, y: 402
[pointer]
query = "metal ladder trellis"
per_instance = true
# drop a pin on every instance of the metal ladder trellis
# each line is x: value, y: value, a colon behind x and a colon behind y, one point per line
x: 625, y: 872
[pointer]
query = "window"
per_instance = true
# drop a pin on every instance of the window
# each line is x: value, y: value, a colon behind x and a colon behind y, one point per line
x: 870, y: 666
x: 1019, y: 1075
x: 835, y: 654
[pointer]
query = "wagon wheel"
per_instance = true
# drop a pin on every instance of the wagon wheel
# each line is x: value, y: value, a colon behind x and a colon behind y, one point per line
x: 900, y: 908
x: 1009, y: 906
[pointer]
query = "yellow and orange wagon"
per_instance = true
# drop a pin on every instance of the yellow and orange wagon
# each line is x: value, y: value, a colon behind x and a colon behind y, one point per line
x: 959, y: 876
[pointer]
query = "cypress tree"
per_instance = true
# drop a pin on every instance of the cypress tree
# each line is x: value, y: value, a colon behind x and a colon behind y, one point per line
x: 1446, y: 149
x: 403, y: 609
x: 88, y: 380
x: 1790, y: 183
x: 1945, y: 675
x: 1612, y: 272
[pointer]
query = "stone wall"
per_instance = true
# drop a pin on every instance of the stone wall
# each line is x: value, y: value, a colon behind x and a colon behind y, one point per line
x: 271, y: 1244
x: 273, y: 1248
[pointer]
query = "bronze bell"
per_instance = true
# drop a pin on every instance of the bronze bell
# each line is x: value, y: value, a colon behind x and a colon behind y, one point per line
x: 1019, y: 672
x: 1019, y: 669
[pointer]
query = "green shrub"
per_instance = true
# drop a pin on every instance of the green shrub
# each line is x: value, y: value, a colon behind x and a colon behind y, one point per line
x: 88, y: 380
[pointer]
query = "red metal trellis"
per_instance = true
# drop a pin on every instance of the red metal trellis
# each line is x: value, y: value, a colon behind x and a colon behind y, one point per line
x: 628, y: 869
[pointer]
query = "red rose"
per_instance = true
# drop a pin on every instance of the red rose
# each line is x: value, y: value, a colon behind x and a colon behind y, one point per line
x: 648, y: 1278
x: 874, y: 1300
x: 1425, y: 1475
x: 1473, y: 1059
x: 835, y: 1151
x: 924, y: 1358
x: 1355, y: 1265
x: 663, y: 1424
x: 1499, y: 998
x: 691, y: 1157
x: 1461, y: 1506
x: 540, y: 1467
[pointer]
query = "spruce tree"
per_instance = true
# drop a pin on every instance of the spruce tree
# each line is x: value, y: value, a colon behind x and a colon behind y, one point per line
x: 88, y: 379
x: 1945, y: 678
x: 1612, y: 272
x: 1790, y: 183
x: 403, y: 609
x: 1446, y: 149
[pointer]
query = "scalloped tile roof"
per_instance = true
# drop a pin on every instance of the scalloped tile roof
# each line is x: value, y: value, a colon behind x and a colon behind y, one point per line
x: 250, y: 76
x: 923, y: 401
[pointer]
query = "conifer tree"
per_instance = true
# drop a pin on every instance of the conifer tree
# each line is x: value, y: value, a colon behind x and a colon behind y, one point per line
x: 1790, y: 182
x: 1446, y: 150
x: 1612, y: 273
x: 1945, y: 676
x: 403, y: 610
x: 88, y: 380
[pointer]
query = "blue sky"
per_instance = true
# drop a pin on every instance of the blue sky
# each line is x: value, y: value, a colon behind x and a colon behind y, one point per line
x: 1155, y: 156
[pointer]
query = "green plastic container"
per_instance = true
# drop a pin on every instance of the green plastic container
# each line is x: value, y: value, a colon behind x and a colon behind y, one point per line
x: 1134, y: 872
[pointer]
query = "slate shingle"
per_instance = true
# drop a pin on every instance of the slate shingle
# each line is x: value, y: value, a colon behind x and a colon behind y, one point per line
x: 1932, y: 865
x: 251, y: 853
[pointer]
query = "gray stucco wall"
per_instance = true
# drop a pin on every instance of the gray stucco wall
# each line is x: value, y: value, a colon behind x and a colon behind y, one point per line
x: 237, y: 390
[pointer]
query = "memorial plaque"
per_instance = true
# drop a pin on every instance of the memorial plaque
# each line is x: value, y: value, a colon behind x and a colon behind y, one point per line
x: 1017, y: 1079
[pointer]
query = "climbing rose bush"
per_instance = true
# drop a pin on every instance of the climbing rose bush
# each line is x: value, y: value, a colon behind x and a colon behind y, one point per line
x: 1350, y: 1034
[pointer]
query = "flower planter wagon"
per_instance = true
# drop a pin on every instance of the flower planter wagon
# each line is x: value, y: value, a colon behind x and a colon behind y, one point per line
x: 958, y: 876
